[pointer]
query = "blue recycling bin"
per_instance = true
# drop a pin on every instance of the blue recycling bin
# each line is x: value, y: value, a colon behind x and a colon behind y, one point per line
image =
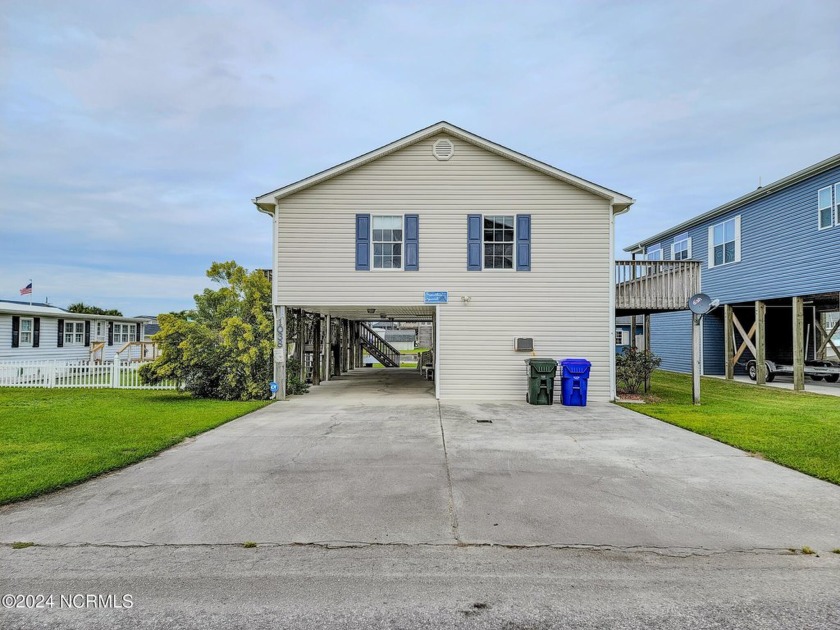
x: 574, y: 381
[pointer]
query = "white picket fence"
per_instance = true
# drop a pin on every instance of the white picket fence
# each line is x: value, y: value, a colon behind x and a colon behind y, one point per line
x: 58, y: 373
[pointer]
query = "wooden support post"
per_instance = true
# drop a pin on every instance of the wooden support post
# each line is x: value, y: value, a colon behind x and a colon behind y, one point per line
x: 335, y: 349
x: 728, y: 343
x: 798, y: 346
x: 646, y: 333
x: 760, y: 343
x: 316, y: 350
x: 353, y: 345
x: 280, y: 351
x: 632, y: 332
x: 328, y: 333
x: 345, y: 346
x: 300, y: 342
x: 696, y: 353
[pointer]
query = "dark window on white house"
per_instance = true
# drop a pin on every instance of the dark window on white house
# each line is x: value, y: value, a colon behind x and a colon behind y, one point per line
x: 498, y: 241
x: 387, y: 232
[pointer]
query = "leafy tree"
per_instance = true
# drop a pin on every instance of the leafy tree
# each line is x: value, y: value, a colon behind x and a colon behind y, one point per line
x: 223, y: 347
x: 633, y: 367
x: 81, y: 307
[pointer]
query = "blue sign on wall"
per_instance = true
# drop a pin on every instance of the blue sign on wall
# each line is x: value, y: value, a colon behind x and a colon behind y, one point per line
x: 436, y: 297
x: 273, y: 387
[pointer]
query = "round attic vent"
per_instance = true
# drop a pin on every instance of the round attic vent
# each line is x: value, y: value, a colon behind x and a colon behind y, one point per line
x: 443, y: 149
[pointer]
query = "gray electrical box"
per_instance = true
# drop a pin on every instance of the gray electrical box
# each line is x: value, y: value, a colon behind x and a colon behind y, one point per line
x: 523, y: 344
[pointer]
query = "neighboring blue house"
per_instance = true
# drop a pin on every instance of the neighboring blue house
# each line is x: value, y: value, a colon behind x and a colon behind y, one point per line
x: 622, y: 333
x: 778, y: 242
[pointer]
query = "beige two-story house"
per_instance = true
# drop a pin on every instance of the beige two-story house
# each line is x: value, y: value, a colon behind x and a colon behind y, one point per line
x: 492, y: 246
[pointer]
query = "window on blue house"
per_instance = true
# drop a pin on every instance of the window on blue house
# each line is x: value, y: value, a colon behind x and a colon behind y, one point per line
x: 681, y: 249
x: 498, y: 242
x: 654, y: 253
x: 387, y: 242
x: 836, y: 204
x: 824, y: 207
x: 724, y: 242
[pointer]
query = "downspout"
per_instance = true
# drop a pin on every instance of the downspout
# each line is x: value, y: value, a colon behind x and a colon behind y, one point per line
x: 613, y: 213
x: 276, y: 372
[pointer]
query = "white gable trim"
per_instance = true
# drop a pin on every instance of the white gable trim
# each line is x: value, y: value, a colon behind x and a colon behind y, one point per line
x: 619, y: 202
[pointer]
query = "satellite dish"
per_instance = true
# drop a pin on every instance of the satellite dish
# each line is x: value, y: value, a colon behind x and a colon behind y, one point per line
x: 700, y: 304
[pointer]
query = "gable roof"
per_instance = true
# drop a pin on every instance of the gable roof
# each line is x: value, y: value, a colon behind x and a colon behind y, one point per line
x: 763, y: 191
x: 266, y: 202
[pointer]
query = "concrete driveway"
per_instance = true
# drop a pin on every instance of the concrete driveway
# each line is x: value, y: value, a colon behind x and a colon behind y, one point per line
x: 372, y: 458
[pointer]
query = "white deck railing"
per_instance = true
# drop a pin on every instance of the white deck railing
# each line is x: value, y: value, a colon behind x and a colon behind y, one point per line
x: 59, y: 373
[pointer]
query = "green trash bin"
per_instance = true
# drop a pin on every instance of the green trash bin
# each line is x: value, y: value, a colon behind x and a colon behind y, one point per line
x: 541, y: 374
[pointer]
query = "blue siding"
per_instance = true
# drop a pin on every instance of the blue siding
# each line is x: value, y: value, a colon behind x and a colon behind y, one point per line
x: 713, y: 361
x: 782, y: 254
x: 782, y: 251
x: 670, y: 338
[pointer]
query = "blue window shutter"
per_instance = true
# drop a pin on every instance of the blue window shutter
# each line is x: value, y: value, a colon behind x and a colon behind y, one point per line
x: 473, y: 242
x: 362, y: 242
x: 412, y: 243
x: 523, y: 242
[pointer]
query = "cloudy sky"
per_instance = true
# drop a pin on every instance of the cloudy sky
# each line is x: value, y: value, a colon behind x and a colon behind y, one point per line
x: 134, y: 134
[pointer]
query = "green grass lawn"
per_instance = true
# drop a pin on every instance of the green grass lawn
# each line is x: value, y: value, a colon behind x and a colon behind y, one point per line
x: 51, y: 438
x: 798, y: 430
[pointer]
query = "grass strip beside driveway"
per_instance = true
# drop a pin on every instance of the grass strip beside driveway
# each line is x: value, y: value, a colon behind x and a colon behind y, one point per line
x: 52, y: 438
x: 798, y: 430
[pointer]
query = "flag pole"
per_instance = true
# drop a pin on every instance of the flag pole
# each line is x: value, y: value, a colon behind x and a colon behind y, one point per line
x: 30, y: 293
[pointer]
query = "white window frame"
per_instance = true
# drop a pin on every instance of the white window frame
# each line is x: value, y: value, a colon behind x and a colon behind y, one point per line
x: 652, y: 249
x: 836, y: 212
x: 622, y: 337
x: 373, y: 218
x: 737, y: 259
x: 21, y: 342
x: 70, y: 335
x: 485, y: 243
x: 124, y: 333
x: 832, y: 207
x: 687, y: 241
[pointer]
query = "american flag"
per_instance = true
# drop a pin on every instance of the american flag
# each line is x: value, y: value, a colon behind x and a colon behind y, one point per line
x: 27, y: 290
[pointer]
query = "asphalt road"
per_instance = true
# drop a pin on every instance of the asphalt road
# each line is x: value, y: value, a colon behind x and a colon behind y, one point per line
x: 396, y: 586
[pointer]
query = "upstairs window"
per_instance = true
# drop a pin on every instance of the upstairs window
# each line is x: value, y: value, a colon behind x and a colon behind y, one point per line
x: 681, y: 249
x: 387, y: 232
x: 724, y: 242
x: 824, y: 206
x: 836, y: 204
x: 654, y: 252
x: 498, y: 241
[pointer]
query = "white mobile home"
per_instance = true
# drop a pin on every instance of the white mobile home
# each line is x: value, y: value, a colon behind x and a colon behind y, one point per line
x: 508, y: 247
x: 43, y: 331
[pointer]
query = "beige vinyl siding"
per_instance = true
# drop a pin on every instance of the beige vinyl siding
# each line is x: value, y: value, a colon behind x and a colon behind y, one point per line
x: 563, y: 302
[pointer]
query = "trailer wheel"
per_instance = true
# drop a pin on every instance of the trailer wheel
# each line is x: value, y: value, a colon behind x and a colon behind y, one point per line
x: 832, y: 378
x: 816, y: 377
x: 771, y: 376
x: 751, y: 371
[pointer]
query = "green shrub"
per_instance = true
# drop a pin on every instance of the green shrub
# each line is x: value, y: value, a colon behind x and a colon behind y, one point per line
x: 633, y: 367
